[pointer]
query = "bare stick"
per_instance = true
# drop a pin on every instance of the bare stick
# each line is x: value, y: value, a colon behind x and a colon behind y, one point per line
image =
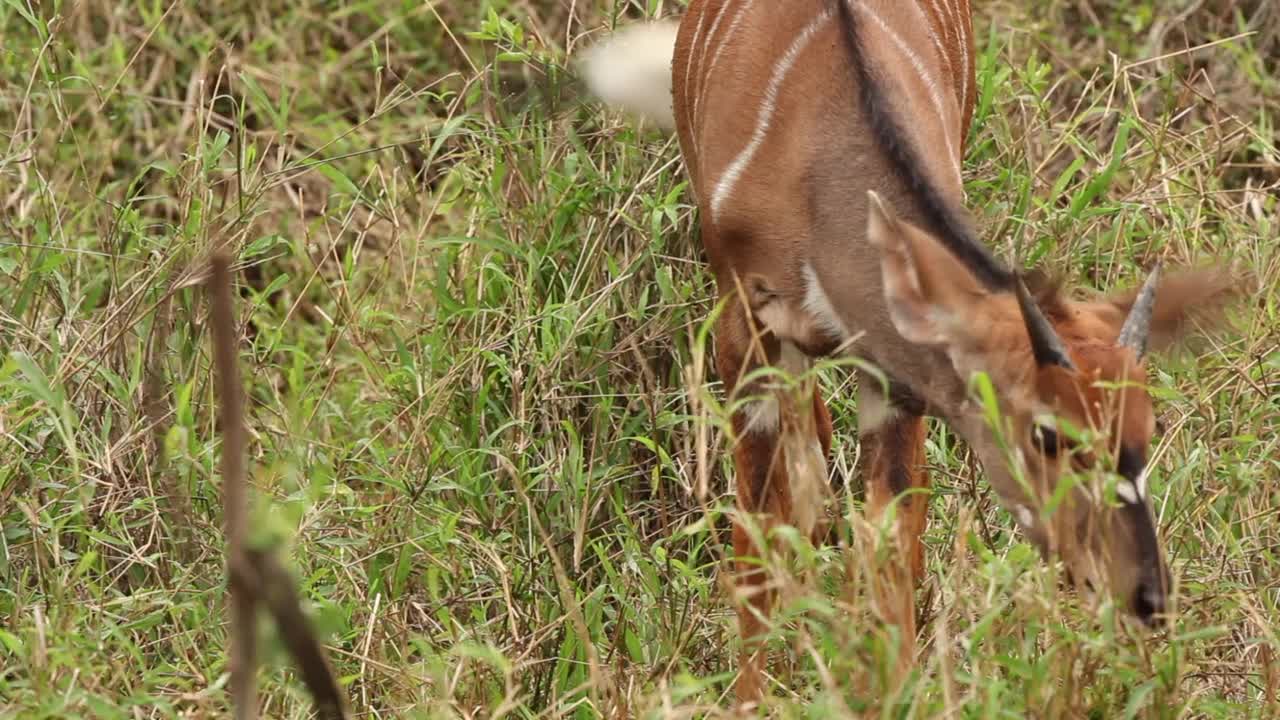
x: 276, y: 591
x: 255, y: 576
x: 235, y: 505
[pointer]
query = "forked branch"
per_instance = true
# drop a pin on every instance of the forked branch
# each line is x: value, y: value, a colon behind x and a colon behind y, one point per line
x: 255, y: 577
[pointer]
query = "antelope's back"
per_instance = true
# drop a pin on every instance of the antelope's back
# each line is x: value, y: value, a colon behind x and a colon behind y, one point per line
x: 765, y: 92
x: 731, y: 79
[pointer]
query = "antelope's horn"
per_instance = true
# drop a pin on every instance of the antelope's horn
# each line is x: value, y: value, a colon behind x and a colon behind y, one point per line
x: 1137, y: 327
x: 1045, y: 343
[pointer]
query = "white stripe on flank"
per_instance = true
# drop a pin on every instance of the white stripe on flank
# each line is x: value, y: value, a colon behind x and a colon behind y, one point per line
x: 709, y: 72
x: 935, y: 93
x: 965, y: 24
x: 688, y: 66
x: 951, y: 17
x: 946, y: 34
x: 962, y: 41
x: 695, y: 93
x: 768, y: 107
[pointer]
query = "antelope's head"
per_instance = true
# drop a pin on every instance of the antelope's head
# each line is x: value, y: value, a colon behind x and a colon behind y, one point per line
x: 1069, y: 455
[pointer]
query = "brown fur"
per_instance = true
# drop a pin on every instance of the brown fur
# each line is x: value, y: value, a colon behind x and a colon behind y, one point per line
x: 910, y: 305
x: 895, y: 464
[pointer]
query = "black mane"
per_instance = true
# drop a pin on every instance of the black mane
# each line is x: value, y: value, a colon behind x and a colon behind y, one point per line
x: 945, y: 221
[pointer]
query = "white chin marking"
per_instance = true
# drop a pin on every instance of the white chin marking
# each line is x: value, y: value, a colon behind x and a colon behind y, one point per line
x: 1128, y: 492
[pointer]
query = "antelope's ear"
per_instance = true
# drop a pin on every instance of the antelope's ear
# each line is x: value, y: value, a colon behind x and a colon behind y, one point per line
x: 1186, y: 301
x: 930, y: 295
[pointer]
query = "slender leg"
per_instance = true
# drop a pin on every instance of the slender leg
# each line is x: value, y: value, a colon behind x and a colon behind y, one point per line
x: 822, y: 422
x: 757, y: 472
x: 893, y: 452
x: 764, y: 485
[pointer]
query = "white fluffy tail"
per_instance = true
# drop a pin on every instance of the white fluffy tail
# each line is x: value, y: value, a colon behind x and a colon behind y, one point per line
x: 632, y: 70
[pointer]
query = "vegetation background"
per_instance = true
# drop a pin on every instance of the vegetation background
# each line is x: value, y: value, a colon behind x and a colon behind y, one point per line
x: 483, y: 430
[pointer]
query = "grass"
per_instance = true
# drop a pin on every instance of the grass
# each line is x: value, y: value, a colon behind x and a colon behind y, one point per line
x: 483, y: 431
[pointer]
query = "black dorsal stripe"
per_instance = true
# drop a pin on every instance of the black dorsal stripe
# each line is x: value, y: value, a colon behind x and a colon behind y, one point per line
x: 944, y: 221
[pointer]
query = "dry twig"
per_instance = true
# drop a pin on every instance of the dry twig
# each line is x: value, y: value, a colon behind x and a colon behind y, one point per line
x: 255, y: 576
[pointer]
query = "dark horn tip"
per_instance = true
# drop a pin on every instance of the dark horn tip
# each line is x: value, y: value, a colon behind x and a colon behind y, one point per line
x: 1045, y: 343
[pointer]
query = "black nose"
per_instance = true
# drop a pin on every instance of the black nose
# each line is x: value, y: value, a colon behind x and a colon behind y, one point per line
x: 1149, y: 602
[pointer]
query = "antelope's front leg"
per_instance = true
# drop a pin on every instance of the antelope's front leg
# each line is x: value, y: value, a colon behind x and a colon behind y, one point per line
x: 755, y: 461
x: 893, y: 452
x: 763, y: 430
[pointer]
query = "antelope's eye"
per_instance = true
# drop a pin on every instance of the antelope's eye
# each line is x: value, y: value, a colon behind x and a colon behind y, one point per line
x: 1046, y: 438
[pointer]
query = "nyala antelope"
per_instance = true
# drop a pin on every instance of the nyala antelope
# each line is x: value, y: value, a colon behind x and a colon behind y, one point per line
x: 824, y: 141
